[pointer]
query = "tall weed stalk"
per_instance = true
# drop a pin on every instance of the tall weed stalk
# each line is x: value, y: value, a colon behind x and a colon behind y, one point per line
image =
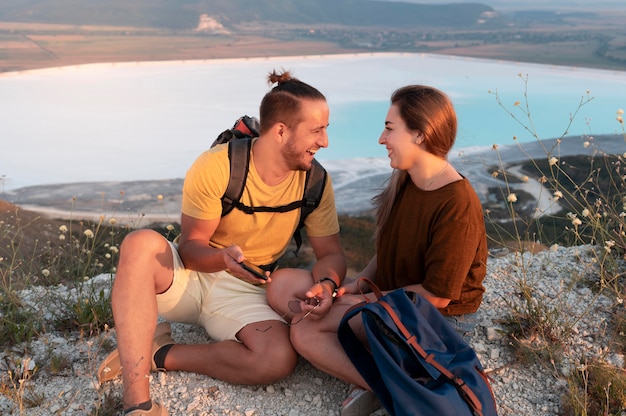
x: 586, y: 207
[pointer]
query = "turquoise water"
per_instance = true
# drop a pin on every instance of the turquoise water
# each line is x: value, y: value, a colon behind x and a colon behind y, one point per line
x: 591, y: 105
x: 144, y: 121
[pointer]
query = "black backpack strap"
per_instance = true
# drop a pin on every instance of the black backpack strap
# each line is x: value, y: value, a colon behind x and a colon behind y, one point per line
x: 239, y: 157
x: 313, y: 191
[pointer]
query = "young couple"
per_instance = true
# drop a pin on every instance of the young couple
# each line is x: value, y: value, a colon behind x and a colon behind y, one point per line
x: 430, y: 238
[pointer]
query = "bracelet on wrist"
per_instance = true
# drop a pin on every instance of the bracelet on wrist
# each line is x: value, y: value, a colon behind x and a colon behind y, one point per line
x: 328, y: 279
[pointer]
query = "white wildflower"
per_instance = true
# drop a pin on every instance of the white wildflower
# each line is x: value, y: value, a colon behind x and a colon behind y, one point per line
x: 575, y: 220
x: 88, y: 233
x: 553, y: 161
x: 512, y: 198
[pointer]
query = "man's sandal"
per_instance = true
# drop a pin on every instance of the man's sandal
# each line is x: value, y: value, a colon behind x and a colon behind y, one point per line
x: 111, y: 367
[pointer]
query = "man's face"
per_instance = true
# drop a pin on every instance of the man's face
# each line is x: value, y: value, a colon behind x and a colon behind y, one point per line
x: 305, y: 139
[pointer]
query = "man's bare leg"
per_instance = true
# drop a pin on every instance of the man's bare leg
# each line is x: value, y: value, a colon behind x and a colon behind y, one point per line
x: 263, y: 356
x: 145, y: 268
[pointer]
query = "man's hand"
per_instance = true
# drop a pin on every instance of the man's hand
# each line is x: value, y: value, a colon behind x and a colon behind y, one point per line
x: 324, y: 291
x: 239, y: 267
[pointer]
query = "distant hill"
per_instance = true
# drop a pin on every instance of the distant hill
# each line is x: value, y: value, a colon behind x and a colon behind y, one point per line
x: 182, y: 15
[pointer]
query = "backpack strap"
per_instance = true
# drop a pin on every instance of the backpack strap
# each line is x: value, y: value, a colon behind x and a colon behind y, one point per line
x: 464, y: 390
x: 239, y: 157
x: 313, y: 191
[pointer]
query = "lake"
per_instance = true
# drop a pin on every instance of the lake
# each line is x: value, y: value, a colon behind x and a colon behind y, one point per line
x: 149, y: 120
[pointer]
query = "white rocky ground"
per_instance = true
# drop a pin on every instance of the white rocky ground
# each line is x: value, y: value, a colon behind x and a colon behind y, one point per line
x: 561, y: 278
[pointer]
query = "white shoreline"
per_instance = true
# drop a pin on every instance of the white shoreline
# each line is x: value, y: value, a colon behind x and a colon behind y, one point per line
x: 328, y: 56
x: 355, y: 182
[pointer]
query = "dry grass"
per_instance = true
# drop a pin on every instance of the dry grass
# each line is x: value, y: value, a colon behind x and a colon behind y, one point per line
x: 39, y: 50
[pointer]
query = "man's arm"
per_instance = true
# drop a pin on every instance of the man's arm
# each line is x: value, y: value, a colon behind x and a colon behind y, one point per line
x: 331, y: 263
x: 197, y: 254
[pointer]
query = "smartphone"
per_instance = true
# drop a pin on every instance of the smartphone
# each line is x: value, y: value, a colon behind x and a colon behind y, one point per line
x: 255, y: 270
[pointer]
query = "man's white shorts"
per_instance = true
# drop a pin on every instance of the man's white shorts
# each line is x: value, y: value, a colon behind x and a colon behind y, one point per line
x: 219, y: 302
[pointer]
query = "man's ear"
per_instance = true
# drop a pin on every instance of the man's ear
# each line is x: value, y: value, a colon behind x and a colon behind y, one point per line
x: 280, y: 131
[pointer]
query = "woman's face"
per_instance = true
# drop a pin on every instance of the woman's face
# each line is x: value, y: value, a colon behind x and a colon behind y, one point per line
x: 399, y: 141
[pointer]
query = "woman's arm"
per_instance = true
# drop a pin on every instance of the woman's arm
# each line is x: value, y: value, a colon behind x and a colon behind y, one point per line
x: 350, y: 285
x: 437, y: 302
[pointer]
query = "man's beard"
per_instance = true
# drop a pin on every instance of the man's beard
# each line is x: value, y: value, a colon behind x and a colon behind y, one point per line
x: 294, y: 158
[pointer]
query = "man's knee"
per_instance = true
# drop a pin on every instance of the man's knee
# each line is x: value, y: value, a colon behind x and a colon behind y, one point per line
x: 278, y: 362
x: 146, y: 255
x: 302, y: 338
x: 143, y: 240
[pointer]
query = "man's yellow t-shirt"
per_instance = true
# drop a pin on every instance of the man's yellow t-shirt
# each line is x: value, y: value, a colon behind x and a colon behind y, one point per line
x: 263, y: 236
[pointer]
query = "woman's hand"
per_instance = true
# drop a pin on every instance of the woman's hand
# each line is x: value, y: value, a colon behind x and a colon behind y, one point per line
x: 351, y: 286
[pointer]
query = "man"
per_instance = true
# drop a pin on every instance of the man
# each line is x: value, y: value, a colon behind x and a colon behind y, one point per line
x: 212, y: 289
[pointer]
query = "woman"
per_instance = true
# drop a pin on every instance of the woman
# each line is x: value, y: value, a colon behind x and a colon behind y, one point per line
x: 430, y: 236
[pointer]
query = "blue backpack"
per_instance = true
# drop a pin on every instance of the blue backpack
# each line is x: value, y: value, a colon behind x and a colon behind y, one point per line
x: 415, y: 362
